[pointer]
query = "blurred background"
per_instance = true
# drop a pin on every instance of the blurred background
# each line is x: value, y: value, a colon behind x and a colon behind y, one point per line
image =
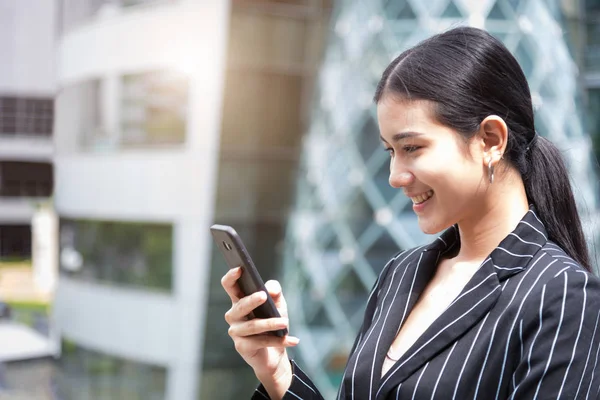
x: 128, y: 127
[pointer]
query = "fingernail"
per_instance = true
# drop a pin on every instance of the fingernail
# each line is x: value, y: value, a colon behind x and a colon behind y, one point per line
x: 293, y: 340
x: 262, y: 295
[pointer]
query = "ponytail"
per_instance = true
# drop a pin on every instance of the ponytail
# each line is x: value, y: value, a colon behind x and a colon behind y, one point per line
x: 548, y: 188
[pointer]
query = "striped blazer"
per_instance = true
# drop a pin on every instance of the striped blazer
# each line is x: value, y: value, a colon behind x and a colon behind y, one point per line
x: 524, y: 327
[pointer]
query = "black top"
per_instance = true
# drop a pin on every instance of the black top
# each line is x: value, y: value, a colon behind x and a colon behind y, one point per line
x: 524, y: 327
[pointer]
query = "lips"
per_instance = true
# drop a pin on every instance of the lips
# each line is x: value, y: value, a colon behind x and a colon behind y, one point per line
x: 422, y: 198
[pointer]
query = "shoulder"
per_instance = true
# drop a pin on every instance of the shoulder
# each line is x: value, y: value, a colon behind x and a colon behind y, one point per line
x: 556, y: 281
x: 552, y: 261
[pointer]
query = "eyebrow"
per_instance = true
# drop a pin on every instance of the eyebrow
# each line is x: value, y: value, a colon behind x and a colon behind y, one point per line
x: 401, y: 136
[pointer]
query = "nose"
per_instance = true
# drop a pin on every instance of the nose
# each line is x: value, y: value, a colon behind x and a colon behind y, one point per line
x: 400, y: 178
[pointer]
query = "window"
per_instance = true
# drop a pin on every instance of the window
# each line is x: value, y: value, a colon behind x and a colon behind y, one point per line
x: 125, y: 111
x: 26, y: 116
x: 15, y: 242
x: 126, y: 253
x: 25, y: 179
x: 87, y: 374
x: 153, y: 108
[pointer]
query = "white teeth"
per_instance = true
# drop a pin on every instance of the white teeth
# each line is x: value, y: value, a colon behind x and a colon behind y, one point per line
x: 422, y: 198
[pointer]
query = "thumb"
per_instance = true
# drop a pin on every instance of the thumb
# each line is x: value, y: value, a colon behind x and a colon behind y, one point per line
x: 276, y: 293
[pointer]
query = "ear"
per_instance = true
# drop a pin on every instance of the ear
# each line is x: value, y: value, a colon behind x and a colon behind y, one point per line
x: 494, y: 136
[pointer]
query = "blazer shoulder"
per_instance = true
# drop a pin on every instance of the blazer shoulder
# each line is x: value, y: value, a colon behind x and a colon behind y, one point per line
x: 555, y: 263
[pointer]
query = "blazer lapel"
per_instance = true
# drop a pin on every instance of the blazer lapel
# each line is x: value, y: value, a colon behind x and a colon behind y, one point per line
x: 511, y: 257
x: 476, y: 299
x: 399, y: 294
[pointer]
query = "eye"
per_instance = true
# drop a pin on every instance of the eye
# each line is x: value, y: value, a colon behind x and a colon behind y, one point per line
x: 410, y: 149
x: 390, y: 151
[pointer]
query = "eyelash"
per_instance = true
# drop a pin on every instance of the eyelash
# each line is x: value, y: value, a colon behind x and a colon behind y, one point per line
x: 406, y: 149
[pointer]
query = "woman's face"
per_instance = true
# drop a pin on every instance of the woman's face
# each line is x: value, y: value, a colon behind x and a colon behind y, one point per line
x: 444, y: 176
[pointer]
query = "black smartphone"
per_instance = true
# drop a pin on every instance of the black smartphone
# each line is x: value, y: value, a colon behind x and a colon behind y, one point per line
x: 236, y: 255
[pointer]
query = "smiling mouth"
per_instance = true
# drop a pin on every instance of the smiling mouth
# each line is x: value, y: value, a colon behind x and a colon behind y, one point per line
x: 422, y: 198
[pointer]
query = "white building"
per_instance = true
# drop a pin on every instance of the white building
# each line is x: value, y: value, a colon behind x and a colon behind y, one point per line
x: 171, y: 115
x: 27, y: 88
x: 136, y: 136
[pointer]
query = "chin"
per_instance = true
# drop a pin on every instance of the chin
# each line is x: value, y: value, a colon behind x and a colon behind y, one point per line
x: 431, y: 228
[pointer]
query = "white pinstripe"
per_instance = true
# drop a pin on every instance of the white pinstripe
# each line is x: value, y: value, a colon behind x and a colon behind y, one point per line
x: 376, y: 322
x: 305, y: 384
x: 592, y: 378
x: 533, y: 341
x: 534, y: 228
x: 398, y: 391
x: 419, y: 380
x: 588, y: 356
x: 562, y: 313
x: 514, y: 254
x: 360, y: 336
x: 436, y: 335
x: 525, y: 241
x: 578, y: 333
x: 499, y: 319
x: 468, y: 355
x: 442, y: 371
x: 385, y: 320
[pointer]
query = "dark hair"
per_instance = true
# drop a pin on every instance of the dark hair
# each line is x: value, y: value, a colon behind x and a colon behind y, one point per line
x: 468, y: 75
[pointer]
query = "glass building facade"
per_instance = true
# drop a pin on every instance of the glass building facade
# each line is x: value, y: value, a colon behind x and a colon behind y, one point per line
x: 347, y: 221
x: 135, y: 254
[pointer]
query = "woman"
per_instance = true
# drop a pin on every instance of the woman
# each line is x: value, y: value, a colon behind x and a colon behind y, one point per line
x: 502, y: 305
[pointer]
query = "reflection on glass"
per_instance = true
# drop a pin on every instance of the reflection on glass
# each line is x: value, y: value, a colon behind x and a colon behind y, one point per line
x: 592, y: 52
x: 134, y: 110
x: 126, y: 253
x: 593, y: 121
x: 87, y: 374
x: 153, y: 108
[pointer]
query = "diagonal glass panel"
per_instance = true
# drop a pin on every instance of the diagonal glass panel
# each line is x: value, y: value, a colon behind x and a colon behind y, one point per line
x: 497, y: 12
x: 367, y: 139
x: 526, y: 56
x: 381, y: 251
x: 319, y: 319
x: 381, y: 178
x: 515, y: 4
x: 452, y: 11
x: 358, y: 214
x: 406, y: 12
x: 351, y: 293
x: 399, y: 9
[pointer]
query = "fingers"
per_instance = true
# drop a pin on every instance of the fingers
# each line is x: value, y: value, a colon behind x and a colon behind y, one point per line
x: 251, y: 345
x: 244, y: 306
x: 229, y: 283
x: 257, y: 326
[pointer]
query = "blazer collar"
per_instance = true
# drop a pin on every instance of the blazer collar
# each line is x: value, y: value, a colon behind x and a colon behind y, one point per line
x: 513, y: 253
x: 476, y: 299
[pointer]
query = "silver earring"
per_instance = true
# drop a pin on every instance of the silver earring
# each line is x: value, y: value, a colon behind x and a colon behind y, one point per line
x: 491, y: 172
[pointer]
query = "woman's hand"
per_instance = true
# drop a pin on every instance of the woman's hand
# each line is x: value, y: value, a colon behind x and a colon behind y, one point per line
x: 265, y: 353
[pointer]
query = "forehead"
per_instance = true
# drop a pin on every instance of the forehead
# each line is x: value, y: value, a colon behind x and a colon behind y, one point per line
x: 405, y: 113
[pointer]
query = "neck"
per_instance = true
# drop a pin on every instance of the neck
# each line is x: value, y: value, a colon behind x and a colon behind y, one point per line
x: 499, y: 215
